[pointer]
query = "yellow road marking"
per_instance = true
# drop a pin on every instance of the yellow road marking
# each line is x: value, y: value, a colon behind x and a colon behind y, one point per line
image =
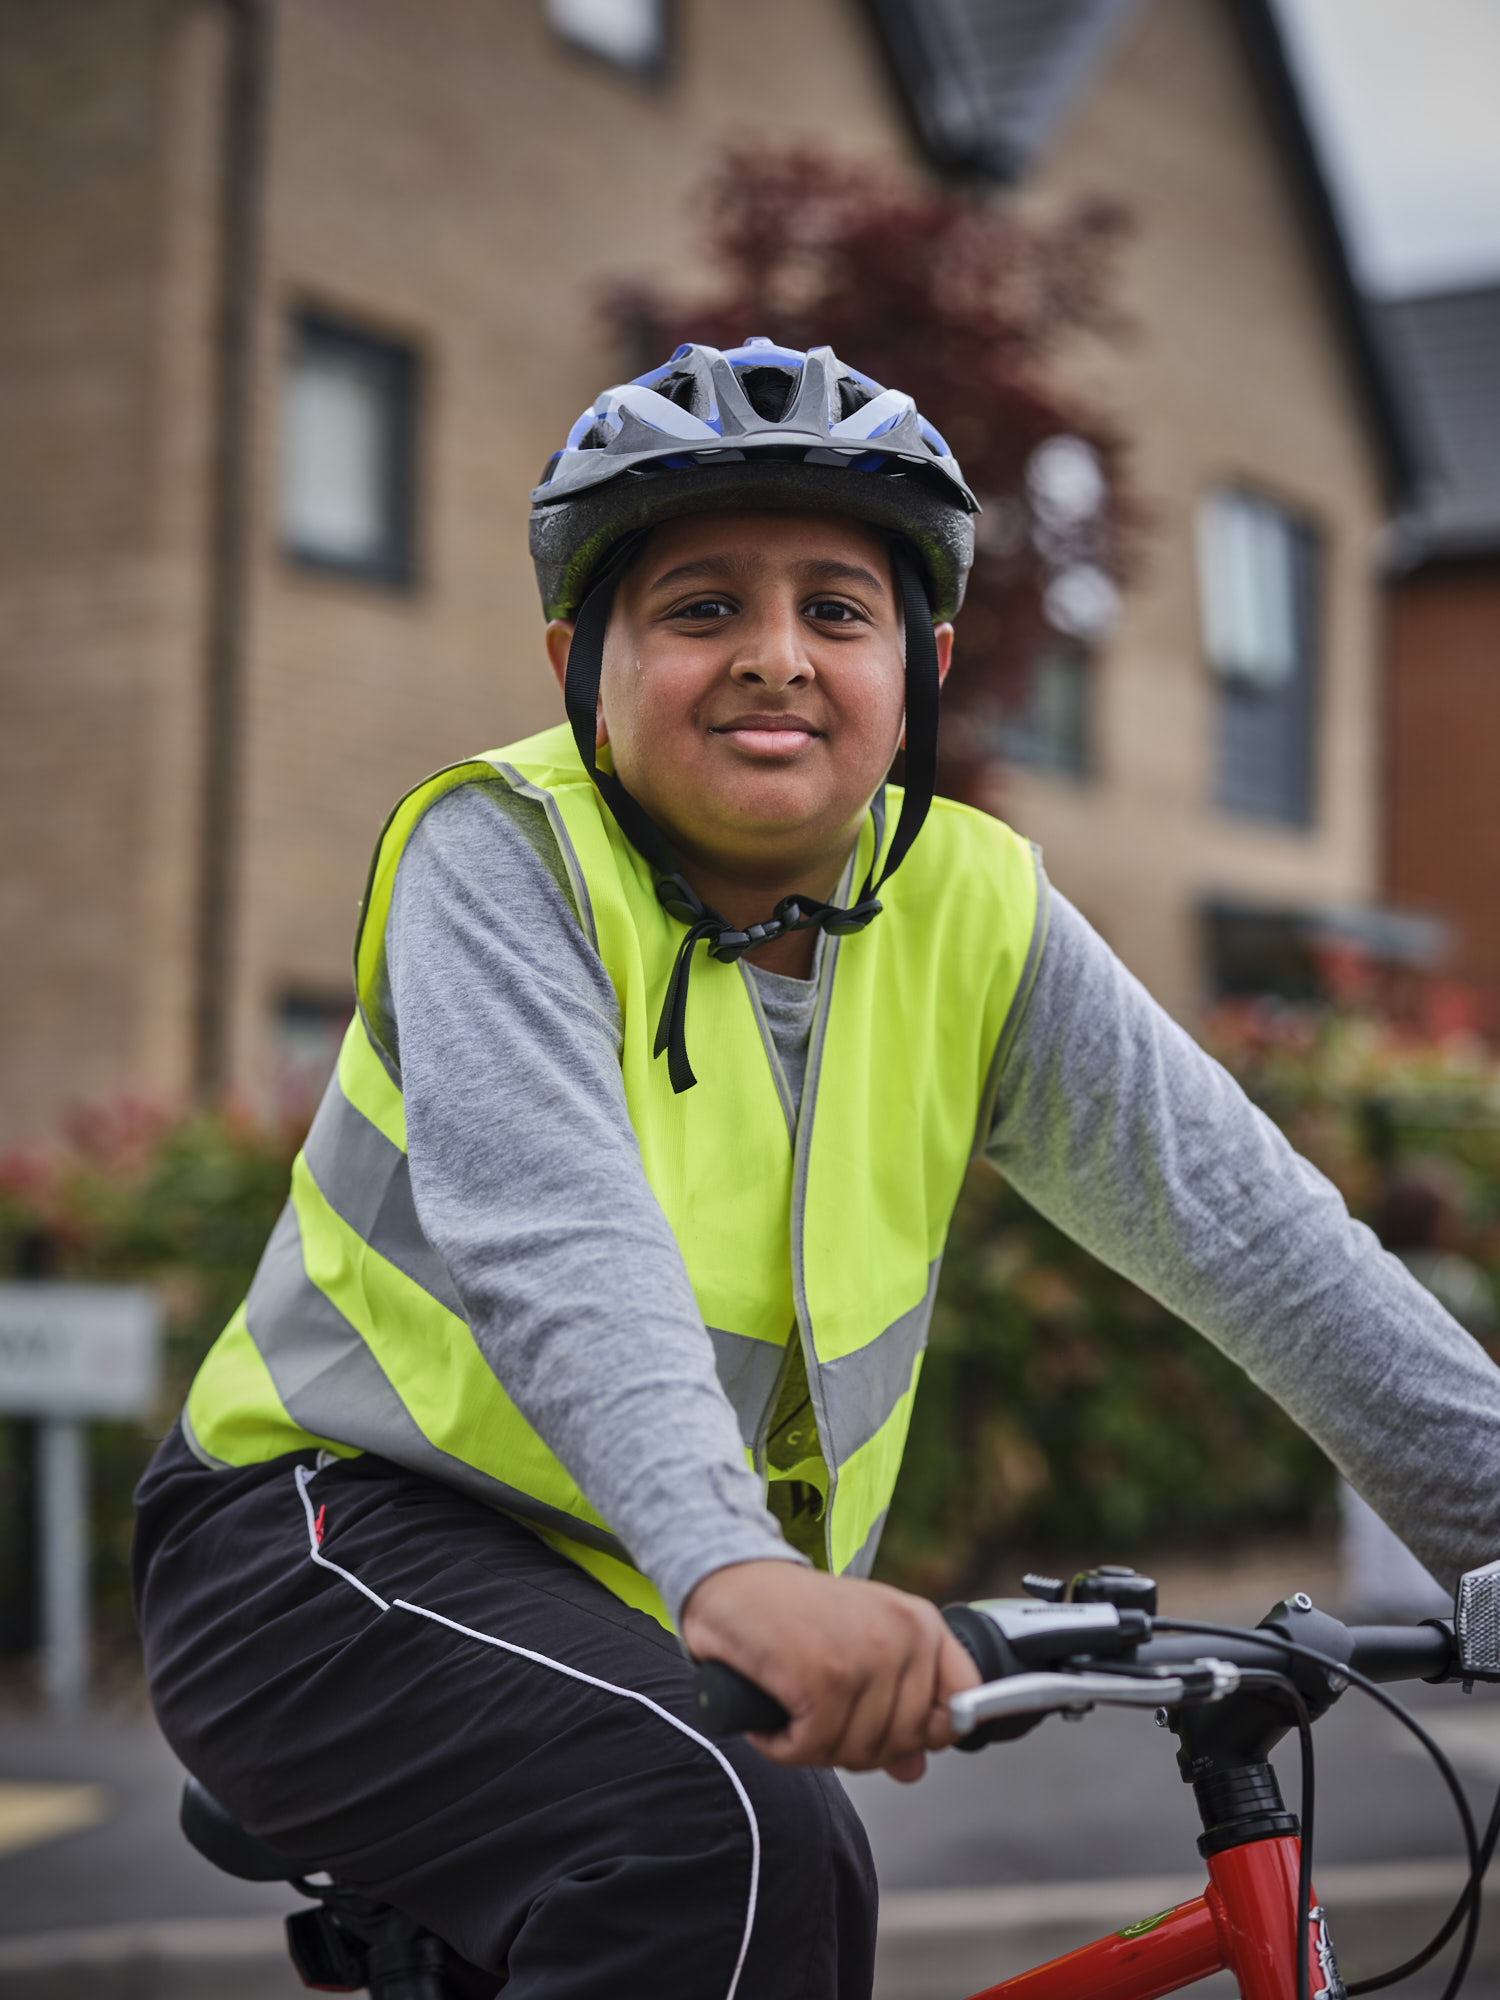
x: 30, y: 1814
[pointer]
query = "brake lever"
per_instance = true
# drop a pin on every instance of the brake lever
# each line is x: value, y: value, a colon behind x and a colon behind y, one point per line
x: 1045, y: 1693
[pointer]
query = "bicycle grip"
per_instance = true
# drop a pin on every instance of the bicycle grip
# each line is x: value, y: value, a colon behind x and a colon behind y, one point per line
x: 730, y: 1705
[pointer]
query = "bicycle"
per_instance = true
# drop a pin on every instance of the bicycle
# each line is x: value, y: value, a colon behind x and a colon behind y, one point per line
x: 1068, y: 1648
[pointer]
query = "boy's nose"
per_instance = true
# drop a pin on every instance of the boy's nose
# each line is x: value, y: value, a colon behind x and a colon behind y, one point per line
x: 772, y: 657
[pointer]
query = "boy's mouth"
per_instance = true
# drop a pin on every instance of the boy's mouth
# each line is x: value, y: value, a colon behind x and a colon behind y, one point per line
x: 767, y: 735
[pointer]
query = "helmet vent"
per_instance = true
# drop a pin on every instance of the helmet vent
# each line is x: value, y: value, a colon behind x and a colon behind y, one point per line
x: 768, y: 391
x: 852, y: 396
x: 682, y: 390
x: 596, y: 437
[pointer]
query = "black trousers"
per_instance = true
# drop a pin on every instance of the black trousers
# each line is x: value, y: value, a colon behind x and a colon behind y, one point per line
x: 389, y: 1680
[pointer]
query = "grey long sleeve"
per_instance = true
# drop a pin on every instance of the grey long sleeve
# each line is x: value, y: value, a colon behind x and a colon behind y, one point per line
x: 529, y: 1184
x: 1109, y: 1119
x: 1114, y: 1124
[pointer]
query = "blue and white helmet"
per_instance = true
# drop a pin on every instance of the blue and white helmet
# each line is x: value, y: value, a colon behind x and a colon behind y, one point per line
x: 758, y: 427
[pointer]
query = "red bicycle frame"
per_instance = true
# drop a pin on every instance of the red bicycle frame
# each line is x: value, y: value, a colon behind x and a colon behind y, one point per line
x: 1244, y: 1922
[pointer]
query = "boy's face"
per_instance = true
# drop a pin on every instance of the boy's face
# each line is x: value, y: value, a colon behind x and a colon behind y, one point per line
x: 753, y: 687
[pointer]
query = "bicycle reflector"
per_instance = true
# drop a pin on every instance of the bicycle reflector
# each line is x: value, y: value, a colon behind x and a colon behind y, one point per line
x: 1477, y: 1618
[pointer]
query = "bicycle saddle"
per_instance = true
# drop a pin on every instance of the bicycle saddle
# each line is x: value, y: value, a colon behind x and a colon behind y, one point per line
x: 221, y: 1839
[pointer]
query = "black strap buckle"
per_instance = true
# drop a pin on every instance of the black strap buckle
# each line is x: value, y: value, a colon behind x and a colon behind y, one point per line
x: 854, y: 919
x: 730, y: 945
x: 679, y: 899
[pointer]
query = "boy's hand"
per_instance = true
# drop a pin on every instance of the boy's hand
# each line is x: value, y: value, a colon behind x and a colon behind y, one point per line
x: 865, y: 1672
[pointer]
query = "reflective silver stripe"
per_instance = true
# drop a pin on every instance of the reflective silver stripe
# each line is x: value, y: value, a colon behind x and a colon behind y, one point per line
x: 748, y: 1372
x: 768, y: 1041
x: 331, y: 1384
x: 565, y: 846
x: 863, y: 1559
x: 810, y: 1081
x: 366, y: 1181
x: 203, y: 1456
x: 861, y: 1389
x: 1017, y: 1006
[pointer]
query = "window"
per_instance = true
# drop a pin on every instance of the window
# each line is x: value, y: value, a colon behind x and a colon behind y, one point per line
x: 306, y: 1031
x: 1250, y: 949
x: 347, y: 450
x: 631, y: 33
x: 1050, y: 730
x: 1257, y: 575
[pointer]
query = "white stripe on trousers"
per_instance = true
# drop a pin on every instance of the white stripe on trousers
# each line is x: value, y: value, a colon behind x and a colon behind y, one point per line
x: 303, y: 1474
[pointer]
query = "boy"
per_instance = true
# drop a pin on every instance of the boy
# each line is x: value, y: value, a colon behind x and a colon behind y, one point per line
x: 599, y: 1303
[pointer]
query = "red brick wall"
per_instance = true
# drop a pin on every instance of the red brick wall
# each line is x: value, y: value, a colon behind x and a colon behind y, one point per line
x: 1443, y: 839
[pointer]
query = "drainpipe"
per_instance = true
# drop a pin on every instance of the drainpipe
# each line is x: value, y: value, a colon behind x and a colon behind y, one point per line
x: 241, y: 202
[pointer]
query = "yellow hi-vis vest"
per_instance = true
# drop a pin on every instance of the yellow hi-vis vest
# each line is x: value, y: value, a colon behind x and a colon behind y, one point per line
x: 827, y: 1227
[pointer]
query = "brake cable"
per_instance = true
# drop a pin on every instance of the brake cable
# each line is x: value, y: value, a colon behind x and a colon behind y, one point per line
x: 1451, y: 1922
x: 1466, y: 1909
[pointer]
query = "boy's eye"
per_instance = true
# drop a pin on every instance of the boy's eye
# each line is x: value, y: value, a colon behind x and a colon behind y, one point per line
x: 705, y: 610
x: 832, y: 611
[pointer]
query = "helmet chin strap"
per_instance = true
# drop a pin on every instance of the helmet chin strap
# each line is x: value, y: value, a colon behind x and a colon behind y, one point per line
x: 726, y: 941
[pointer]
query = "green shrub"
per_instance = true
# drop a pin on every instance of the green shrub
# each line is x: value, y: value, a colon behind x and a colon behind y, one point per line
x: 1066, y: 1416
x: 1063, y: 1413
x: 135, y: 1193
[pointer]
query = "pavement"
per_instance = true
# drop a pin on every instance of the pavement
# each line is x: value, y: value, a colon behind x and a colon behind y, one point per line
x: 100, y: 1895
x: 992, y: 1863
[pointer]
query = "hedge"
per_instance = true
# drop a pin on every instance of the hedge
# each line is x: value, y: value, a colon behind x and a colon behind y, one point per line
x: 1063, y: 1415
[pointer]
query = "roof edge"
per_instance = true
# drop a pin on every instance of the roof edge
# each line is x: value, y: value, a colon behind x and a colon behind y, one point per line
x: 1416, y: 544
x: 932, y: 81
x: 1281, y: 96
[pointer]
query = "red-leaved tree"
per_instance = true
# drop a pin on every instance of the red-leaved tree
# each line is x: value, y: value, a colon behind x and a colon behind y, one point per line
x: 963, y: 305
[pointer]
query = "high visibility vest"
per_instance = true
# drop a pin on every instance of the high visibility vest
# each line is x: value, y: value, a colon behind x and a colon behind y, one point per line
x: 825, y: 1227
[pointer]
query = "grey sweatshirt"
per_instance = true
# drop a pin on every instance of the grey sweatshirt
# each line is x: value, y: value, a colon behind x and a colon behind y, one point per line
x: 1109, y: 1119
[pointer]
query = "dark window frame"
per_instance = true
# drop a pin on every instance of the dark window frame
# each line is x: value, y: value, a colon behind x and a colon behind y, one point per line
x: 1024, y: 745
x: 306, y: 1026
x: 1250, y: 950
x: 1248, y: 720
x: 653, y: 69
x: 396, y: 567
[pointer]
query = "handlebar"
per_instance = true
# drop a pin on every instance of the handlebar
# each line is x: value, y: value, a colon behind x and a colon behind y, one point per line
x: 1379, y: 1652
x: 729, y: 1704
x: 1052, y: 1657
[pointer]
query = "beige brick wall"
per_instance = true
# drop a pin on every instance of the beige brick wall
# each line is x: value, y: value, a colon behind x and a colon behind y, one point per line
x: 1232, y: 372
x: 453, y: 173
x: 446, y: 170
x: 100, y: 572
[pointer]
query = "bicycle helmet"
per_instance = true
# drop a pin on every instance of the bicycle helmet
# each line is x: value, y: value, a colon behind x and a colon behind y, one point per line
x: 748, y: 428
x: 756, y: 426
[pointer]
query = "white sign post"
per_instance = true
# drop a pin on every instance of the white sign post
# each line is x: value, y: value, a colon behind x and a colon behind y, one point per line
x: 69, y: 1353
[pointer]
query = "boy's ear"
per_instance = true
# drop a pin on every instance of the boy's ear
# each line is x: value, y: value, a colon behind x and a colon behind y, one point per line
x: 559, y: 644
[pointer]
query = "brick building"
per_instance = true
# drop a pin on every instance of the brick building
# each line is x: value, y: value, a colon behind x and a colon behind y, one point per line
x: 297, y: 298
x: 1443, y: 839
